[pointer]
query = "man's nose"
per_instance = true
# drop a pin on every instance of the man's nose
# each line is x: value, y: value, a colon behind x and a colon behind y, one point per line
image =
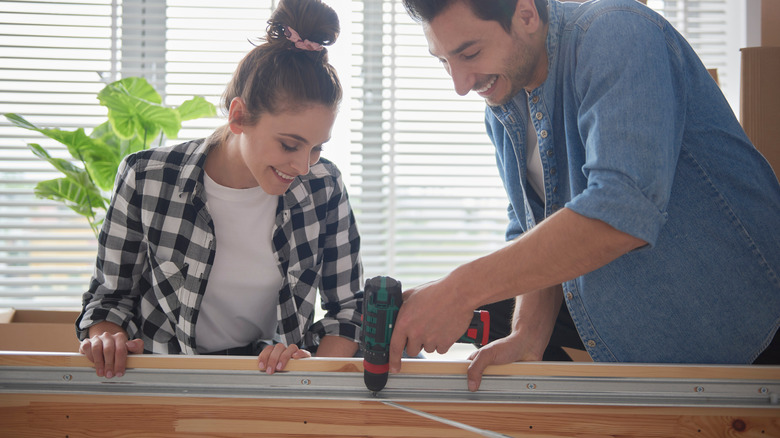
x: 462, y: 79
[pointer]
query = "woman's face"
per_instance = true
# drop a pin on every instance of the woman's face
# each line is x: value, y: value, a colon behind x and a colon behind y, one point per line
x: 280, y: 147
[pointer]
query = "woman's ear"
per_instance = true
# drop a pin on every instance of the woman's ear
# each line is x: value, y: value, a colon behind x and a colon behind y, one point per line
x: 236, y: 115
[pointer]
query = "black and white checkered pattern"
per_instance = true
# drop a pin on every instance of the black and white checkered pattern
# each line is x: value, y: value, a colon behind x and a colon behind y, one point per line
x: 157, y: 247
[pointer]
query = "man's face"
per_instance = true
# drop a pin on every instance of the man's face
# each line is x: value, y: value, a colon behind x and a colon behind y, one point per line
x: 480, y: 56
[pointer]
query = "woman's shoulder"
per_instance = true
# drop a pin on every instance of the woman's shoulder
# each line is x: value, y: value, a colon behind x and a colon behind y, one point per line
x: 161, y: 156
x: 323, y: 169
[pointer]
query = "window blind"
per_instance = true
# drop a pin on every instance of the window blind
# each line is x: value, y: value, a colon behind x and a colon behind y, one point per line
x: 424, y: 182
x: 55, y: 57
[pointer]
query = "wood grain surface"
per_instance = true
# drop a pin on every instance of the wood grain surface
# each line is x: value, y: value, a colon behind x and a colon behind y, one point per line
x: 74, y: 415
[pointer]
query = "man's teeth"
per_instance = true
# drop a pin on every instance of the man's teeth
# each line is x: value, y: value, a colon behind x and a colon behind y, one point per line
x: 284, y: 175
x: 487, y: 86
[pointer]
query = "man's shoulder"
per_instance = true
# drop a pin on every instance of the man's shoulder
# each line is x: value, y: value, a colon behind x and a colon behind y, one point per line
x: 584, y: 14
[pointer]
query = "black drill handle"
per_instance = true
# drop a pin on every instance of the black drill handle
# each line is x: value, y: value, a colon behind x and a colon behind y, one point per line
x: 478, y: 332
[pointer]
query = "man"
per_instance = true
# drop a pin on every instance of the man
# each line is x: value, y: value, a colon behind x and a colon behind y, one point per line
x: 635, y: 195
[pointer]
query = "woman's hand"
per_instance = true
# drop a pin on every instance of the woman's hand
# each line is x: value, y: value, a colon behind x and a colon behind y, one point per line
x: 274, y: 358
x: 107, y: 348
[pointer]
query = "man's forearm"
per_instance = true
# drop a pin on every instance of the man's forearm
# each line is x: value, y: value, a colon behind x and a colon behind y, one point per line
x: 564, y: 246
x: 534, y: 319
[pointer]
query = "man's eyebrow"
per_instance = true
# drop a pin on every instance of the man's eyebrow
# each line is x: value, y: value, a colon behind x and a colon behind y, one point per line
x: 460, y: 48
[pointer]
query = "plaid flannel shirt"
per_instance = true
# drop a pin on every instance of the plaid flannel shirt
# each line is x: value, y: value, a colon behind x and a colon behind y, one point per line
x: 157, y: 246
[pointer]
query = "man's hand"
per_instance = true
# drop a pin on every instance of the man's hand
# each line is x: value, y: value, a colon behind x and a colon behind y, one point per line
x: 532, y: 325
x: 431, y: 318
x: 107, y: 347
x: 505, y: 350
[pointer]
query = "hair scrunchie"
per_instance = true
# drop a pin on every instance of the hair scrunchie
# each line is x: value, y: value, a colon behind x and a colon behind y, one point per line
x: 292, y: 35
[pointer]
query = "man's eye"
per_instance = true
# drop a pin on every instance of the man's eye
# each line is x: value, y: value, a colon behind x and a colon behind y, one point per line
x: 469, y: 57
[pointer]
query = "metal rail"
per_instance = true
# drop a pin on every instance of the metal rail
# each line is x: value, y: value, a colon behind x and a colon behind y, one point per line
x: 623, y: 391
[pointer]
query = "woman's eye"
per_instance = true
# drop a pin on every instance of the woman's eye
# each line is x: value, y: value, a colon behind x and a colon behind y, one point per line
x: 288, y: 148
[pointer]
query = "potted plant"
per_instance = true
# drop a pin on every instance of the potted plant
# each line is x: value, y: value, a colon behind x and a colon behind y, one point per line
x: 136, y: 117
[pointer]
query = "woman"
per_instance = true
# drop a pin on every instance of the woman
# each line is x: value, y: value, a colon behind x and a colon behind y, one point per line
x: 218, y: 246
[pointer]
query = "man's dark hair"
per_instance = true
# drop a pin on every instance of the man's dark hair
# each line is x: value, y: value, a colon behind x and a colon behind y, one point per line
x: 496, y: 10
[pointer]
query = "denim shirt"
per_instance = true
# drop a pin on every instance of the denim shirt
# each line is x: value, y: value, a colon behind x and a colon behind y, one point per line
x: 633, y: 131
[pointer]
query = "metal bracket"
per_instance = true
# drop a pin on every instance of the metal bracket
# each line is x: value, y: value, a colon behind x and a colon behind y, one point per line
x: 400, y: 388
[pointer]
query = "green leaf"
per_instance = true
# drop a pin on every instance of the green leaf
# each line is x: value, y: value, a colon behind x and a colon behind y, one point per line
x: 196, y: 108
x: 103, y: 173
x: 135, y: 109
x: 137, y: 87
x: 64, y: 166
x: 82, y: 147
x: 19, y: 121
x: 72, y: 139
x: 74, y: 195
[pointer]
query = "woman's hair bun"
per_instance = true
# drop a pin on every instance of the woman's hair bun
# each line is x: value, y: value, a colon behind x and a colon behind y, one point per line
x: 313, y: 20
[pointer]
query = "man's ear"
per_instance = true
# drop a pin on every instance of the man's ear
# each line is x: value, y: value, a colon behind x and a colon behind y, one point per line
x: 236, y: 115
x: 526, y: 16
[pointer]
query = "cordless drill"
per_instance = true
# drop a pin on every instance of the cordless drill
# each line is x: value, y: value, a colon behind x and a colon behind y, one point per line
x: 381, y: 302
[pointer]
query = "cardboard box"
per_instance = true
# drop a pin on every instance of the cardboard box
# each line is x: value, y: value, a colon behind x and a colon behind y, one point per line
x: 760, y: 103
x: 38, y: 330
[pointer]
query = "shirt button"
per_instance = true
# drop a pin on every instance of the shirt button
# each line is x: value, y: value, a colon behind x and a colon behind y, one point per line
x: 543, y: 133
x: 555, y: 189
x: 553, y: 171
x: 539, y: 116
x: 550, y: 152
x: 569, y: 295
x: 535, y: 99
x: 591, y: 343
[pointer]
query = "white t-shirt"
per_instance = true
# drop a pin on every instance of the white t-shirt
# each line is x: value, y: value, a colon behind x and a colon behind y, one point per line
x: 239, y: 305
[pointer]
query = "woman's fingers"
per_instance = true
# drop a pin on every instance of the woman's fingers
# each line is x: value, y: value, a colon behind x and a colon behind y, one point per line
x: 275, y: 357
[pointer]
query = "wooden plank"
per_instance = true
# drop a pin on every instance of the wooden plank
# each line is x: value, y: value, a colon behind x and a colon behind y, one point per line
x: 57, y: 415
